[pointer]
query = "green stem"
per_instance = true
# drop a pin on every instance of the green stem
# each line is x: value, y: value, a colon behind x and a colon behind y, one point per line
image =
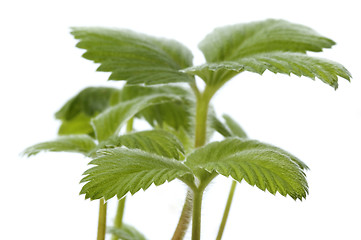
x: 102, y: 221
x: 226, y: 210
x: 185, y: 217
x: 129, y: 127
x: 197, y: 210
x: 195, y: 89
x: 203, y: 100
x: 118, y: 221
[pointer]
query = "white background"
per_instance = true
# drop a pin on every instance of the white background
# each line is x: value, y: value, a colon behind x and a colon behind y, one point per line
x: 40, y: 69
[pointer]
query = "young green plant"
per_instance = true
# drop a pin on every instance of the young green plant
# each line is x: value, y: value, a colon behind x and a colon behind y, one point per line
x: 274, y: 45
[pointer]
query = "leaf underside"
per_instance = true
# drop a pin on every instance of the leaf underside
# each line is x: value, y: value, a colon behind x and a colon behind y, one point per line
x: 120, y: 170
x: 72, y: 143
x: 134, y: 57
x: 265, y: 166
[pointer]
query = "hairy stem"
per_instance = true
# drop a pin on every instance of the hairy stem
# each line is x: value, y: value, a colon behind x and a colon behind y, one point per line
x: 197, y: 210
x: 226, y: 210
x: 185, y: 217
x: 102, y: 221
x: 203, y: 100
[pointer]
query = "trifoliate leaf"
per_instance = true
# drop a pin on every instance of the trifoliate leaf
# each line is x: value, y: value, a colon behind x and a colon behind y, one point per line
x: 121, y: 170
x: 258, y: 164
x: 159, y: 142
x: 274, y: 45
x: 133, y: 57
x: 71, y: 143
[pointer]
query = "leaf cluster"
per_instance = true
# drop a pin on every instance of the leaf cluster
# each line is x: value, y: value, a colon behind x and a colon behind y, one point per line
x: 140, y: 60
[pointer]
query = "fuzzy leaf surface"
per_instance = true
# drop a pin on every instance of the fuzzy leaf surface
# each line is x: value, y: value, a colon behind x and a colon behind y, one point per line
x: 159, y: 142
x: 109, y: 122
x: 267, y: 167
x: 234, y: 42
x: 71, y: 143
x: 275, y: 45
x: 120, y: 170
x: 134, y: 57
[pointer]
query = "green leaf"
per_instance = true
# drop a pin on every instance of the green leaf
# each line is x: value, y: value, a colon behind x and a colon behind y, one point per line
x: 133, y: 57
x: 216, y: 74
x: 109, y: 122
x: 228, y: 129
x: 220, y: 127
x: 90, y: 101
x: 275, y: 45
x: 231, y: 43
x: 173, y: 116
x: 158, y: 142
x: 184, y: 136
x: 122, y: 170
x: 298, y: 64
x: 176, y: 114
x: 71, y: 143
x: 259, y: 164
x: 126, y: 232
x: 234, y: 127
x: 77, y: 125
x: 78, y: 111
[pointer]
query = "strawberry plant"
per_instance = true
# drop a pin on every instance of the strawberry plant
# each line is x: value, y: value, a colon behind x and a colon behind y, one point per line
x: 161, y: 88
